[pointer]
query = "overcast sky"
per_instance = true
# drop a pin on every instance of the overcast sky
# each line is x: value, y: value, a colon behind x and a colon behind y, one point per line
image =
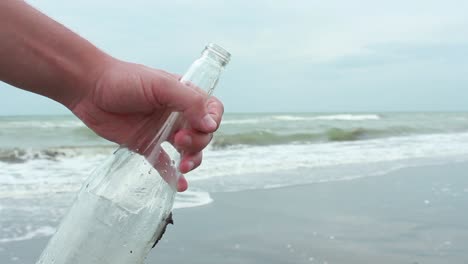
x: 307, y: 56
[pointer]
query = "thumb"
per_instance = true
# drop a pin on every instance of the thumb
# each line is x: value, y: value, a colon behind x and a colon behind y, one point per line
x: 191, y: 102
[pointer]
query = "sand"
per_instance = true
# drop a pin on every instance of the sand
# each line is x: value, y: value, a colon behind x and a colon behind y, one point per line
x: 414, y: 215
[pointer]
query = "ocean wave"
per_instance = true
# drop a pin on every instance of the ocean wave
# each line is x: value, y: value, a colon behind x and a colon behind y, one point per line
x: 340, y: 117
x: 243, y: 121
x: 41, y: 124
x: 191, y: 198
x: 20, y: 155
x: 290, y: 118
x: 260, y: 138
x: 233, y: 169
x: 336, y: 134
x: 43, y: 231
x: 348, y: 117
x: 264, y: 138
x: 336, y: 117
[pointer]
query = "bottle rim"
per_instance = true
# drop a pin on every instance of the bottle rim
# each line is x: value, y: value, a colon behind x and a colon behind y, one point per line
x: 222, y: 53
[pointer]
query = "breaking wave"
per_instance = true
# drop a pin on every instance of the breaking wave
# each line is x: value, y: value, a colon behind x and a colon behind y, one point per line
x: 263, y: 138
x: 341, y: 117
x: 20, y: 155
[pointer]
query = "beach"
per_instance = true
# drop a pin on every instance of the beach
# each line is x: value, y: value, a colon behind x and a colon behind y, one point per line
x: 412, y: 215
x: 338, y: 135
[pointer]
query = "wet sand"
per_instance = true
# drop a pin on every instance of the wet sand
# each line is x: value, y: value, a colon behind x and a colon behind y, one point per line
x: 414, y: 215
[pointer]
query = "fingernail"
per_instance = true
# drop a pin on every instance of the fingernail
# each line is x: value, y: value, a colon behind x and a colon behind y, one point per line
x: 190, y: 165
x: 209, y: 122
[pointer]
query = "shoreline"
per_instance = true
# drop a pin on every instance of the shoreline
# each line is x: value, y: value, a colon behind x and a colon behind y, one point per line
x: 411, y: 215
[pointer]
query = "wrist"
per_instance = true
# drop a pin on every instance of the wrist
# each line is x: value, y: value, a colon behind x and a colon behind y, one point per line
x: 86, y: 75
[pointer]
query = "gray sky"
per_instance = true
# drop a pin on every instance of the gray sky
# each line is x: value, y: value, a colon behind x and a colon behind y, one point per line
x: 326, y: 56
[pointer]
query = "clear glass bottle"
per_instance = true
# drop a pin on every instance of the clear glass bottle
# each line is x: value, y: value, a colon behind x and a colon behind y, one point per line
x: 123, y: 207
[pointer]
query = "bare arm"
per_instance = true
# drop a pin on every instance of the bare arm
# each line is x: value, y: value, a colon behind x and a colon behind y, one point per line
x: 42, y: 56
x: 112, y: 97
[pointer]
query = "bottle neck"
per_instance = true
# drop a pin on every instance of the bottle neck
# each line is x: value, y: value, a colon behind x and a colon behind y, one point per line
x: 217, y: 54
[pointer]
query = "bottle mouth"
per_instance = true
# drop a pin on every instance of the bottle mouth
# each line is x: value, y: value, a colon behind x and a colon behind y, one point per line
x: 220, y: 52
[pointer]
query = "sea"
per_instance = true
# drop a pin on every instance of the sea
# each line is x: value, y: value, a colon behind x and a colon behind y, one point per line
x: 45, y: 159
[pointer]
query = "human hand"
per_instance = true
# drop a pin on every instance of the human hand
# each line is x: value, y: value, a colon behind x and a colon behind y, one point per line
x: 125, y: 97
x: 113, y: 98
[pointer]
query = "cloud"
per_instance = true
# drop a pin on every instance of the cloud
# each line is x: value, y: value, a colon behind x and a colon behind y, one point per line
x: 317, y: 55
x: 398, y: 53
x: 266, y: 30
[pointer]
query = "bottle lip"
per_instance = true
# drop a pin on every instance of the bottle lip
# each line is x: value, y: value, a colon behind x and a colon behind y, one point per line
x: 222, y: 53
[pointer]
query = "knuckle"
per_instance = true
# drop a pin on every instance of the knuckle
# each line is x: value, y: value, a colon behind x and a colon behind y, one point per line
x: 198, y: 99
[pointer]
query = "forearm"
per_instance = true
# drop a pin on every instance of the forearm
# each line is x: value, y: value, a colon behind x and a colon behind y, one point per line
x: 40, y: 55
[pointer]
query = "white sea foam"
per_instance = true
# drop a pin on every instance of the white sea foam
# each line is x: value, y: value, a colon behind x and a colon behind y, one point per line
x: 39, y: 178
x: 291, y: 118
x: 41, y: 124
x: 43, y: 231
x: 192, y: 198
x: 339, y: 117
x: 243, y: 121
x: 348, y: 117
x: 42, y: 185
x: 18, y: 155
x: 42, y: 190
x: 233, y: 167
x: 266, y: 166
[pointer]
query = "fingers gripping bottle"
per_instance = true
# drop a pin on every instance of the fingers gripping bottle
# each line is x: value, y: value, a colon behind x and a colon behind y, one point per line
x: 123, y: 207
